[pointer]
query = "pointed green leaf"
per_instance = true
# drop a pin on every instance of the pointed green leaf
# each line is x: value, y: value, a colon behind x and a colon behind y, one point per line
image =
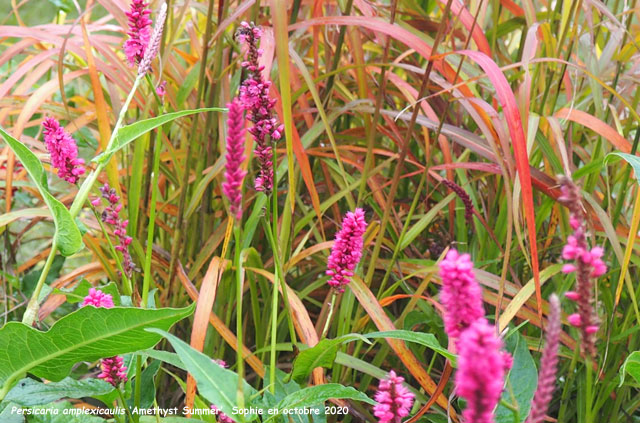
x: 85, y: 335
x: 67, y: 233
x: 632, y: 366
x: 523, y: 379
x: 29, y: 392
x: 129, y: 133
x: 217, y: 384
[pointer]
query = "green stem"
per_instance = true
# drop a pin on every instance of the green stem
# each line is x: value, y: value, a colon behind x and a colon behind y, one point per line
x: 240, y: 359
x: 137, y: 394
x: 589, y: 393
x: 124, y: 404
x: 32, y: 309
x: 329, y: 315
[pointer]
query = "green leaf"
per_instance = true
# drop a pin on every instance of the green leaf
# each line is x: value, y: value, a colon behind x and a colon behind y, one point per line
x: 9, y: 414
x: 67, y: 233
x: 634, y: 161
x: 523, y: 379
x: 283, y: 389
x: 81, y: 290
x: 147, y: 387
x: 61, y: 412
x: 165, y: 356
x: 217, y: 384
x: 632, y: 366
x: 314, y: 395
x: 85, y: 335
x: 129, y: 133
x: 324, y: 353
x: 29, y: 392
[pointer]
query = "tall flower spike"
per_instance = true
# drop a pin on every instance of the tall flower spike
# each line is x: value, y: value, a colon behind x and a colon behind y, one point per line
x: 254, y: 96
x: 63, y: 150
x: 347, y: 249
x: 394, y: 401
x: 587, y: 264
x: 111, y: 216
x: 461, y: 295
x: 153, y: 47
x: 481, y: 370
x: 548, y: 364
x: 139, y: 31
x: 466, y: 200
x: 234, y: 174
x: 113, y: 369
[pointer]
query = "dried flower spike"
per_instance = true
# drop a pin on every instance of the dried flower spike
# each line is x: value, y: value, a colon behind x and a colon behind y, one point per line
x: 139, y: 31
x: 347, y: 249
x: 461, y: 295
x: 63, y: 150
x: 466, y: 200
x: 482, y: 366
x: 111, y: 216
x: 153, y: 46
x: 587, y: 264
x: 234, y: 174
x: 394, y: 401
x: 254, y: 96
x: 548, y: 364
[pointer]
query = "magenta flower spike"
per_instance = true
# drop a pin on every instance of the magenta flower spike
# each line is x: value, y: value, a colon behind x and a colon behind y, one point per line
x: 461, y: 294
x: 347, y: 250
x: 111, y: 216
x: 154, y: 42
x: 548, y: 364
x: 394, y: 400
x: 587, y: 264
x: 139, y: 31
x: 63, y: 150
x: 482, y: 366
x: 113, y: 370
x: 98, y: 298
x: 254, y: 96
x: 234, y: 174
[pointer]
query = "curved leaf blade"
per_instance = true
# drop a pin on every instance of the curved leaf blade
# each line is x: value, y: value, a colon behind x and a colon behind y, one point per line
x: 29, y: 392
x: 67, y: 232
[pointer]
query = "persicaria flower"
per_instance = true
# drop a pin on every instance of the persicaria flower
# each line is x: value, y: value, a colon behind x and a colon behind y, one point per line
x: 347, y: 249
x: 63, y: 150
x: 139, y: 31
x: 98, y: 298
x: 548, y: 364
x: 113, y: 370
x: 234, y: 174
x: 111, y: 216
x: 161, y: 89
x: 482, y: 366
x: 461, y: 294
x: 466, y: 200
x: 154, y: 42
x: 393, y: 399
x: 254, y: 96
x: 586, y: 263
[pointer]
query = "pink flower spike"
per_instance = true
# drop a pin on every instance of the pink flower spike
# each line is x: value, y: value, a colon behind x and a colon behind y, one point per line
x: 161, y: 89
x: 461, y: 295
x: 481, y: 370
x: 97, y: 298
x: 63, y: 150
x: 139, y: 31
x: 575, y: 320
x: 220, y: 416
x: 591, y: 329
x: 234, y: 174
x: 347, y: 250
x: 548, y: 364
x: 572, y: 295
x: 113, y: 370
x: 393, y: 399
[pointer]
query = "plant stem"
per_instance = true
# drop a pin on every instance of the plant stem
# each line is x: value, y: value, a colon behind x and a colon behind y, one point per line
x: 124, y: 403
x: 32, y: 309
x: 589, y: 394
x: 239, y: 286
x: 329, y: 315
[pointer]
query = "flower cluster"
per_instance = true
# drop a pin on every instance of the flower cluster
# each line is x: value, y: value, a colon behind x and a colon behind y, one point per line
x: 482, y: 366
x: 139, y: 31
x: 254, y: 96
x: 111, y: 216
x: 63, y: 150
x: 347, y: 249
x: 394, y: 401
x: 587, y: 264
x: 461, y: 295
x: 234, y: 174
x: 154, y: 42
x: 548, y: 364
x: 113, y: 369
x: 462, y: 194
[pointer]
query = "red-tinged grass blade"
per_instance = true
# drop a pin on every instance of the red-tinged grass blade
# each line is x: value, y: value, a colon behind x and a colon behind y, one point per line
x: 596, y: 125
x: 373, y: 308
x: 631, y: 239
x: 514, y: 122
x: 444, y: 379
x: 512, y: 7
x: 217, y: 323
x: 279, y: 14
x: 201, y: 317
x: 466, y: 18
